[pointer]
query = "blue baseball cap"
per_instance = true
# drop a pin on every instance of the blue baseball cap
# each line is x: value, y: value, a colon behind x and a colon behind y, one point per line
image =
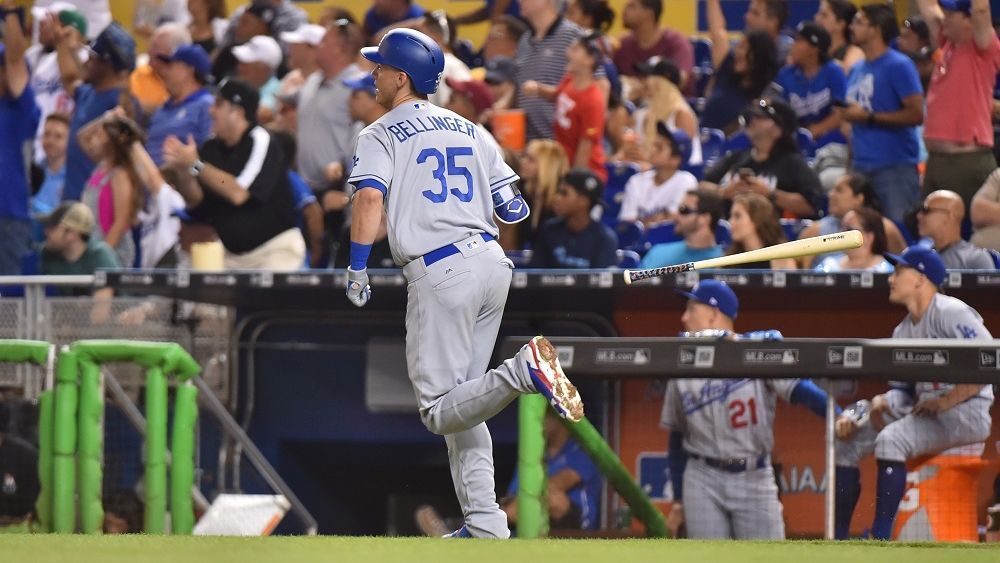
x: 716, y: 294
x: 194, y: 56
x: 365, y: 82
x: 964, y: 6
x: 115, y: 46
x: 680, y: 141
x: 921, y: 258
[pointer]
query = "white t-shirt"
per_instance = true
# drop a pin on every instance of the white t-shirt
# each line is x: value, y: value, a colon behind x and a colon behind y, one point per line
x: 455, y: 69
x: 47, y: 85
x: 159, y: 227
x: 643, y: 197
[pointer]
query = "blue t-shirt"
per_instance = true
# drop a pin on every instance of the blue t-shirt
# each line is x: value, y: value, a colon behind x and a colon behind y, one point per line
x: 557, y: 247
x: 812, y: 98
x: 678, y: 252
x: 188, y: 117
x: 587, y: 494
x: 90, y: 104
x: 880, y: 86
x: 18, y: 122
x: 375, y: 22
x: 50, y: 193
x: 728, y: 98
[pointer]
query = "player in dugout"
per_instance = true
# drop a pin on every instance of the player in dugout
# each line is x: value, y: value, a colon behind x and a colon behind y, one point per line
x: 911, y: 420
x: 722, y: 433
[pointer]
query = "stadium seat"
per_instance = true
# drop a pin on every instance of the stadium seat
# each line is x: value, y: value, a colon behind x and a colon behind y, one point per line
x: 520, y: 258
x: 702, y: 65
x: 792, y: 227
x: 628, y: 258
x: 806, y: 143
x: 660, y: 233
x: 614, y: 190
x: 713, y: 145
x: 630, y: 235
x: 723, y: 233
x: 738, y: 141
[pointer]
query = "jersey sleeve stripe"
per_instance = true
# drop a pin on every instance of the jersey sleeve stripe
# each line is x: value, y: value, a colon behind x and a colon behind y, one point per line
x: 504, y: 181
x: 370, y: 183
x: 261, y: 142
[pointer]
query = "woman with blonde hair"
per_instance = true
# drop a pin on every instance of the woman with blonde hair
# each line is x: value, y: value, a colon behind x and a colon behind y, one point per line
x: 542, y: 167
x: 755, y: 225
x: 664, y: 101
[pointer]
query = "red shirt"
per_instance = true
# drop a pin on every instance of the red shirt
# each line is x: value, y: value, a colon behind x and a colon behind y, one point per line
x: 672, y: 45
x: 580, y: 115
x: 960, y: 95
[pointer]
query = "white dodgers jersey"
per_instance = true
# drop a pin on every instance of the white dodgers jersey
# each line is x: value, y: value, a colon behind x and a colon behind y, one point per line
x: 725, y: 418
x: 438, y: 170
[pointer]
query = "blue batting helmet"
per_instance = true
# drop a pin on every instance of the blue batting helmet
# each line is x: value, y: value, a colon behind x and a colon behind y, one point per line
x: 413, y: 53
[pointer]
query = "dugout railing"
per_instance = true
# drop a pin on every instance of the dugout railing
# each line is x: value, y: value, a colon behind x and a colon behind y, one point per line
x: 835, y: 364
x: 33, y: 307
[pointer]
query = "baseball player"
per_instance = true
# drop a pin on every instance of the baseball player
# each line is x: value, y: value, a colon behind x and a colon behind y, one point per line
x: 440, y: 181
x: 944, y: 415
x: 721, y: 434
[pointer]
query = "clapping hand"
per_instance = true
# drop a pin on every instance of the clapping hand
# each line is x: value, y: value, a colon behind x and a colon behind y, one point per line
x: 180, y: 154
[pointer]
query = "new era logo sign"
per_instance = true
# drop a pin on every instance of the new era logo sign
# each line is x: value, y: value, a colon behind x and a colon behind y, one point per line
x: 844, y: 356
x: 696, y: 356
x: 989, y: 358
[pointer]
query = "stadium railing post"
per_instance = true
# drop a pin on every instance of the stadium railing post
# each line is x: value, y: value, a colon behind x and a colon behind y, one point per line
x: 90, y: 447
x: 64, y: 437
x: 160, y: 360
x: 41, y: 354
x: 532, y: 508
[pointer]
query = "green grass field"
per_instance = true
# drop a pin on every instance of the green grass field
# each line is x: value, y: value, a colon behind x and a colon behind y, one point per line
x: 113, y: 549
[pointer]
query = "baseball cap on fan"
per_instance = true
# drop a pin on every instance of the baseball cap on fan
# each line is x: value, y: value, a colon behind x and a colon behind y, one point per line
x: 309, y: 33
x: 584, y: 181
x: 259, y: 49
x: 73, y: 215
x: 716, y: 294
x: 815, y: 35
x: 477, y: 91
x: 195, y: 57
x: 680, y: 141
x: 922, y: 259
x: 115, y: 46
x: 239, y: 93
x: 365, y: 83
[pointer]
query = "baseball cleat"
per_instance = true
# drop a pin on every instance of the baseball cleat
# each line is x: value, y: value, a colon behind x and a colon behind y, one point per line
x: 462, y: 532
x: 550, y: 380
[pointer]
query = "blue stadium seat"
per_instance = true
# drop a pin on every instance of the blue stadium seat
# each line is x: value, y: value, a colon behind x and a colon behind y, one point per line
x: 520, y: 258
x: 806, y: 143
x: 614, y: 190
x: 660, y: 233
x: 738, y: 141
x: 723, y: 233
x: 702, y: 64
x: 713, y: 145
x: 628, y: 259
x: 630, y: 235
x: 792, y: 227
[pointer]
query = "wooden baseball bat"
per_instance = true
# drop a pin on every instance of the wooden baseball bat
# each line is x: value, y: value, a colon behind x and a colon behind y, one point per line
x: 803, y: 247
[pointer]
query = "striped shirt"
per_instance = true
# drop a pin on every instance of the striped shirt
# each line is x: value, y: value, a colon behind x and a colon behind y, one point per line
x: 544, y: 61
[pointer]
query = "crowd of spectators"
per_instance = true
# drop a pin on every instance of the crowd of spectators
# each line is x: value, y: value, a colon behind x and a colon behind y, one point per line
x: 242, y: 126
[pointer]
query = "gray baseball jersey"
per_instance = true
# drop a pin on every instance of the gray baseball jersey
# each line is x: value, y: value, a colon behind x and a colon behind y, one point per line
x: 946, y: 317
x: 725, y: 418
x: 438, y: 171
